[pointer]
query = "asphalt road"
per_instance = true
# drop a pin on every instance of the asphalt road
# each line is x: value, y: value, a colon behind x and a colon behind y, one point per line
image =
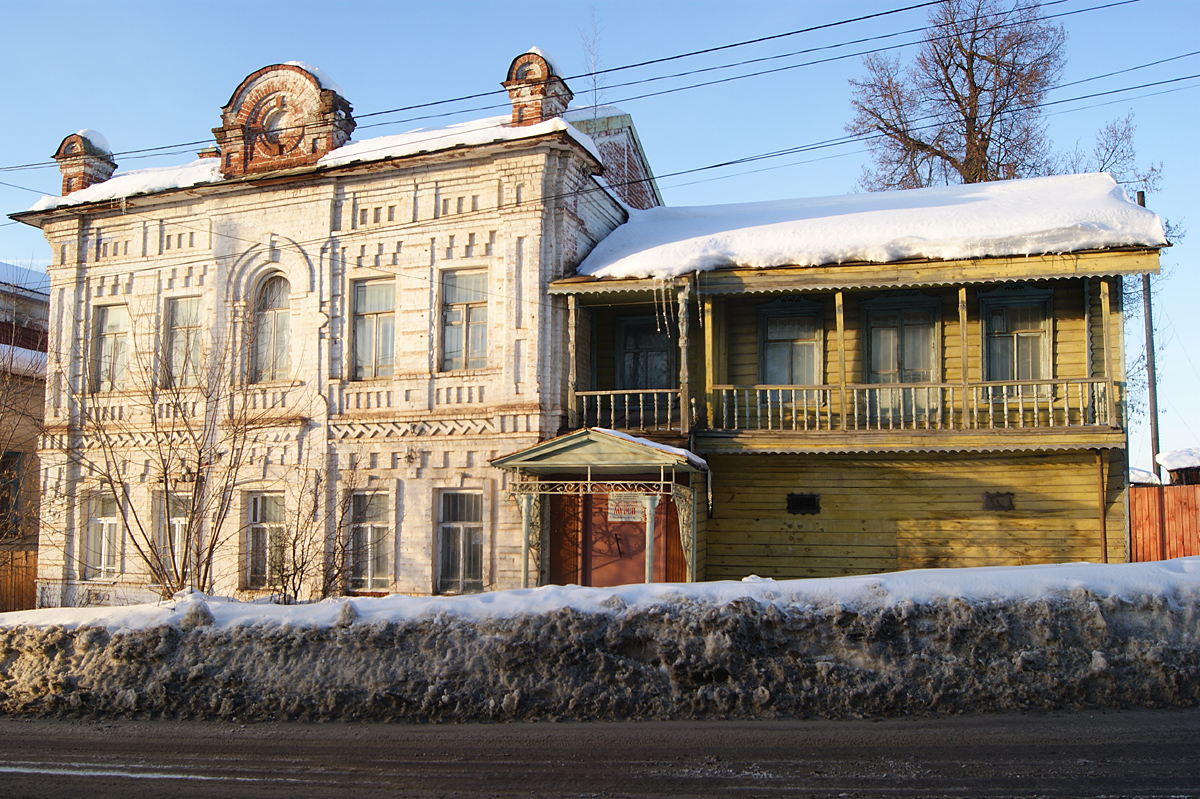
x: 1139, y: 754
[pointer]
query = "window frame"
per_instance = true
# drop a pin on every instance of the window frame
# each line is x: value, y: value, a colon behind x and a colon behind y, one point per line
x: 376, y: 532
x: 377, y: 370
x: 460, y: 528
x: 268, y: 319
x: 1014, y: 296
x: 471, y: 359
x: 108, y: 379
x: 265, y: 542
x: 790, y: 307
x: 110, y: 538
x: 10, y: 495
x: 191, y: 367
x: 903, y: 302
x: 177, y: 536
x: 625, y: 322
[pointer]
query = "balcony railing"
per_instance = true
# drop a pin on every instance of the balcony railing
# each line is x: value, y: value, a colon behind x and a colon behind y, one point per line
x: 646, y: 410
x: 929, y: 406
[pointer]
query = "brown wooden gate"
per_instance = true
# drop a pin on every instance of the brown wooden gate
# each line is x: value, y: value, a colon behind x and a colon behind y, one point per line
x: 1164, y: 522
x: 18, y: 576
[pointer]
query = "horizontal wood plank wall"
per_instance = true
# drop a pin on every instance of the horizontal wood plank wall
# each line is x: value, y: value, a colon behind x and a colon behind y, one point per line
x: 883, y: 513
x: 18, y: 576
x: 1182, y: 529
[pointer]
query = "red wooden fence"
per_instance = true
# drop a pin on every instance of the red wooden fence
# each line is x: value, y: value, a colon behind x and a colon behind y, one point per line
x: 1150, y: 539
x: 18, y: 573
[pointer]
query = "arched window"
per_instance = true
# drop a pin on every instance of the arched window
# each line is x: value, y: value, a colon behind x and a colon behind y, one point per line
x: 271, y: 317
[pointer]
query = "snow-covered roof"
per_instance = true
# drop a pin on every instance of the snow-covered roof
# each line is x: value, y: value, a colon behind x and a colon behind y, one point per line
x: 479, y: 131
x: 318, y: 73
x: 24, y: 279
x: 580, y: 113
x: 1179, y: 459
x: 1142, y: 477
x: 96, y: 138
x: 554, y: 70
x: 139, y: 181
x: 1063, y: 213
x: 1133, y: 581
x: 691, y: 457
x: 208, y: 170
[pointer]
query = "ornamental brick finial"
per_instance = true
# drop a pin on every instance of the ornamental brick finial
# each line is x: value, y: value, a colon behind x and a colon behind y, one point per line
x: 537, y: 91
x: 84, y: 159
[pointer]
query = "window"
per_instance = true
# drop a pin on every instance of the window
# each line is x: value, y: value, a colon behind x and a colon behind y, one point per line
x: 172, y: 533
x: 10, y: 495
x: 790, y: 336
x: 1017, y: 321
x: 112, y: 330
x: 266, y: 540
x: 369, y: 543
x: 271, y: 327
x: 460, y: 543
x: 101, y: 556
x: 645, y: 354
x: 183, y: 342
x: 374, y: 329
x: 464, y: 320
x: 902, y: 348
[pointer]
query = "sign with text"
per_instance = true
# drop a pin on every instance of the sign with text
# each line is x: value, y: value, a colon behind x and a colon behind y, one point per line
x: 626, y: 508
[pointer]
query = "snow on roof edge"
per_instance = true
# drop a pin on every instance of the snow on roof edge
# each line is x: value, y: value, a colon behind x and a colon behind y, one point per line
x: 554, y: 70
x: 96, y: 138
x: 321, y: 75
x: 1188, y: 458
x: 691, y: 457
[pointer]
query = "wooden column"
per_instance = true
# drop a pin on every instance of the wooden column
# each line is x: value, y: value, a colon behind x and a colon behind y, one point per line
x: 651, y: 501
x: 573, y: 361
x: 1103, y: 506
x: 710, y: 362
x: 962, y: 354
x: 1110, y: 389
x: 839, y: 312
x: 684, y: 388
x: 526, y: 510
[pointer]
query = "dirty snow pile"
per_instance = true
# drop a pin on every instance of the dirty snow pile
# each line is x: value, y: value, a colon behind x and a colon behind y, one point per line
x: 1064, y: 213
x: 921, y: 642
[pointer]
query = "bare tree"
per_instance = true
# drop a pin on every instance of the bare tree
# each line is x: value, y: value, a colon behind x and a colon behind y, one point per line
x: 590, y: 40
x: 1114, y: 152
x: 967, y: 108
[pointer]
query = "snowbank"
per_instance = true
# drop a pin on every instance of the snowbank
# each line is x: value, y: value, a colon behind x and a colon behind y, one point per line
x: 949, y: 641
x: 1065, y: 213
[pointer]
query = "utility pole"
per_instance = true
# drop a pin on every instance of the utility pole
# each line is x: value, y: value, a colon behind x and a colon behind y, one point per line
x: 1151, y: 378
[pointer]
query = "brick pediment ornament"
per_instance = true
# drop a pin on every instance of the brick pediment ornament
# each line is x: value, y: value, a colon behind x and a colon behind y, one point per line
x: 537, y: 92
x: 83, y: 162
x: 281, y: 117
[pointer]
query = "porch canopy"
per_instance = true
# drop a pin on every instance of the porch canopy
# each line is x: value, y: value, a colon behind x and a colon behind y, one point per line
x: 599, y: 461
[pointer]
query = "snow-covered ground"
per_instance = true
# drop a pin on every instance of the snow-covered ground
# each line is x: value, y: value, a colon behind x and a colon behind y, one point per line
x: 934, y: 641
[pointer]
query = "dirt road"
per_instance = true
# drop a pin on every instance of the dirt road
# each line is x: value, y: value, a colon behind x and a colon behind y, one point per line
x: 1139, y: 754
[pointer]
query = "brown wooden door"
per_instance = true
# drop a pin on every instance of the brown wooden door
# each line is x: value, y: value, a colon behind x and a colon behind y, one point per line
x: 588, y: 548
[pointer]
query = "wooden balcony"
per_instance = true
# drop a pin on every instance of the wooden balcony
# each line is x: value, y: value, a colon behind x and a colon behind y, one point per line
x: 640, y: 411
x: 914, y: 407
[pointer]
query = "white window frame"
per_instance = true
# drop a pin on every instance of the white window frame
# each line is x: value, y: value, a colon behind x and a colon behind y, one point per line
x: 183, y: 373
x: 377, y: 323
x: 102, y: 545
x: 469, y: 317
x: 112, y: 350
x: 370, y: 543
x: 265, y: 541
x: 792, y: 307
x: 1014, y: 296
x: 172, y: 531
x: 450, y: 531
x: 271, y: 359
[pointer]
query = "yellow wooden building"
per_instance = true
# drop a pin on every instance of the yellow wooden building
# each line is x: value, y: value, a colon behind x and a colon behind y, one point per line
x: 880, y: 382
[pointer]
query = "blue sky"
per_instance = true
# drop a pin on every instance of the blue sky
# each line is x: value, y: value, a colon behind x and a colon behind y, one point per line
x: 148, y: 74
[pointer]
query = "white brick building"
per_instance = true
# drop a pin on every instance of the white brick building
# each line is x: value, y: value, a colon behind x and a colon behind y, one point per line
x: 301, y: 344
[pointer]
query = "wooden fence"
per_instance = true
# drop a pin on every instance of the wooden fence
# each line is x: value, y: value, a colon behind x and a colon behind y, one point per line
x: 18, y: 575
x: 1152, y: 539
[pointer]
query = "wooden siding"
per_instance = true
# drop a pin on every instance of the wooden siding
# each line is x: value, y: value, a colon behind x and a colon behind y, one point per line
x: 899, y: 512
x: 18, y: 579
x: 1179, y: 537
